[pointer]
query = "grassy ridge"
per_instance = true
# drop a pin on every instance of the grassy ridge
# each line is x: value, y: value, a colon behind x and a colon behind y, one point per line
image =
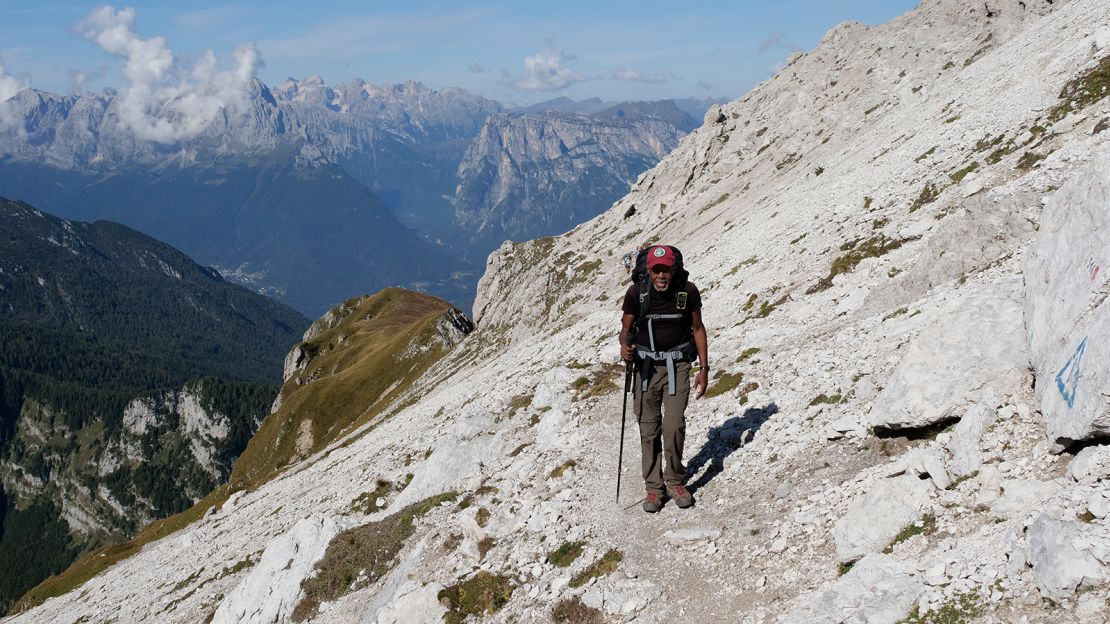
x: 356, y: 369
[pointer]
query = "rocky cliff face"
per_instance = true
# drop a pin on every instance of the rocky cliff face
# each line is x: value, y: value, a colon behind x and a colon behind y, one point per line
x: 896, y: 241
x: 542, y: 173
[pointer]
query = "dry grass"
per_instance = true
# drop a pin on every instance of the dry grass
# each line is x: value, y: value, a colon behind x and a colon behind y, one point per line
x: 360, y: 556
x: 574, y: 611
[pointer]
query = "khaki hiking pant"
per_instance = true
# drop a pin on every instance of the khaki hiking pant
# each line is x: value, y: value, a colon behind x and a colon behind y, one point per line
x: 662, y: 422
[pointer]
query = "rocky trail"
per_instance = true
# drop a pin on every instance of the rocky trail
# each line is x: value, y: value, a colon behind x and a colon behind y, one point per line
x: 899, y: 242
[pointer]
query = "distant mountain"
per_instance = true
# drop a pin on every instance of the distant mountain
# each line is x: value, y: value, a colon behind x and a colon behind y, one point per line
x: 564, y: 104
x: 533, y: 175
x: 130, y: 380
x: 308, y: 178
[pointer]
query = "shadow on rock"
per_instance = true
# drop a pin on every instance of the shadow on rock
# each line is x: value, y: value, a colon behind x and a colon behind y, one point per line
x: 724, y: 439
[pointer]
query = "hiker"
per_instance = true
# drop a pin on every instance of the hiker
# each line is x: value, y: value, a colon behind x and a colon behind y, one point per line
x: 665, y: 311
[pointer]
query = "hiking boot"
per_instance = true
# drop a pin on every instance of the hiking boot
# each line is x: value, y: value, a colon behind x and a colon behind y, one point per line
x: 681, y: 496
x: 653, y: 502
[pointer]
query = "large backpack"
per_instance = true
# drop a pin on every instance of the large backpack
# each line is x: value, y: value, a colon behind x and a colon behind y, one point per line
x: 643, y: 284
x: 642, y: 280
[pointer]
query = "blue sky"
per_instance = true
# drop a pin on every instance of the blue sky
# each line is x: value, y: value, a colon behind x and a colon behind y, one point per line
x: 510, y: 51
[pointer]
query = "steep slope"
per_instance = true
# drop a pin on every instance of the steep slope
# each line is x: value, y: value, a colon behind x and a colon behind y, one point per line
x: 130, y: 379
x: 864, y: 284
x: 347, y: 372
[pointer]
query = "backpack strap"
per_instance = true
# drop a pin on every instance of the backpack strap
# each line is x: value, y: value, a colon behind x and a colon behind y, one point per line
x: 649, y: 358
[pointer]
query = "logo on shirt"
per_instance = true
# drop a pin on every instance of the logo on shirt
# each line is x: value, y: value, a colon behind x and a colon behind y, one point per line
x: 680, y: 301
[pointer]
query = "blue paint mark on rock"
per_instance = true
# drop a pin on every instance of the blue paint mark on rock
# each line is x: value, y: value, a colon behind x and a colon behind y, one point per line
x: 1067, y: 380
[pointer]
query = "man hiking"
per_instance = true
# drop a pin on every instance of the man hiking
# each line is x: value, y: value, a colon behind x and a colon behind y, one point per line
x: 666, y: 318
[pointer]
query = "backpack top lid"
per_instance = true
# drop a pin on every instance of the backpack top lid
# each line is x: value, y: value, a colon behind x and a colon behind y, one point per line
x: 640, y: 272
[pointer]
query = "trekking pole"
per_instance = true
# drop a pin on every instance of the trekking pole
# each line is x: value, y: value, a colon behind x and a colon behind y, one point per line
x: 629, y: 369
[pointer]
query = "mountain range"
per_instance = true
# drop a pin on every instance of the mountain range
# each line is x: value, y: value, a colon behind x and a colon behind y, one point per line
x: 131, y: 378
x: 392, y: 180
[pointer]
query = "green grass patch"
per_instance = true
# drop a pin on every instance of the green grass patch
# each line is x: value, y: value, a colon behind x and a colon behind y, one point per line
x: 1082, y: 91
x: 748, y: 353
x: 844, y: 568
x: 1028, y: 159
x: 962, y: 609
x: 929, y: 194
x: 958, y: 175
x: 927, y: 154
x: 518, y: 403
x: 482, y: 594
x: 823, y: 399
x: 927, y: 525
x: 715, y: 202
x: 800, y: 237
x: 602, y: 380
x: 367, y: 502
x: 565, y: 554
x: 607, y: 564
x: 955, y: 484
x: 360, y: 556
x: 857, y: 252
x: 722, y: 383
x: 896, y: 313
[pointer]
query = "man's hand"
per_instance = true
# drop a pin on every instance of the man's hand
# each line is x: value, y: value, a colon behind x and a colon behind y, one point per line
x: 701, y: 382
x: 628, y: 353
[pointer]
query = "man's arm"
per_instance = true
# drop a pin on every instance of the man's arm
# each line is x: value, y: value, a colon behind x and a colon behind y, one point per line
x: 701, y: 342
x: 628, y: 353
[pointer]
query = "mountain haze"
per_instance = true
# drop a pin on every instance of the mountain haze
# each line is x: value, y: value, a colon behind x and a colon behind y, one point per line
x: 303, y: 177
x: 900, y: 240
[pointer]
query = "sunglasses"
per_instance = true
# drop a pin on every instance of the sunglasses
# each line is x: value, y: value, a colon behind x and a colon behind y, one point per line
x: 660, y: 268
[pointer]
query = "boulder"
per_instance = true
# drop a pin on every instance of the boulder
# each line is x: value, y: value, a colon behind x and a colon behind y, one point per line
x: 273, y: 587
x: 872, y: 522
x: 964, y: 442
x: 622, y: 597
x: 1091, y: 464
x: 414, y: 604
x: 876, y: 590
x: 950, y: 364
x: 923, y: 463
x: 1067, y: 313
x: 1021, y: 497
x: 1059, y: 567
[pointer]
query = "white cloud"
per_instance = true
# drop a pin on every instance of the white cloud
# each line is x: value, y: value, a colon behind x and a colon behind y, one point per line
x: 635, y: 75
x: 476, y: 69
x: 547, y: 71
x: 9, y: 86
x: 167, y: 99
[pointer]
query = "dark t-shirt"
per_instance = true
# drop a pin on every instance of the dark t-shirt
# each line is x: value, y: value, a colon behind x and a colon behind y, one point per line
x: 669, y: 333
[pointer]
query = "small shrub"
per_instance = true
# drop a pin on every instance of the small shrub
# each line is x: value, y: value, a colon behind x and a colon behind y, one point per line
x: 926, y: 154
x: 960, y: 609
x: 871, y: 248
x: 485, y: 546
x: 605, y: 565
x: 518, y: 403
x: 565, y: 554
x: 482, y: 517
x: 574, y: 611
x: 482, y: 594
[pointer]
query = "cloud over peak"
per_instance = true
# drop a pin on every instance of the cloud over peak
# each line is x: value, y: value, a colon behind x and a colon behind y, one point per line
x: 167, y: 99
x: 547, y: 70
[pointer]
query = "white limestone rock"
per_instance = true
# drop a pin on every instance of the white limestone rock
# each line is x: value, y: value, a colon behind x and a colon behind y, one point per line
x: 872, y: 522
x: 273, y: 587
x: 876, y: 589
x: 1091, y: 464
x: 691, y: 536
x: 414, y: 604
x: 948, y: 364
x: 964, y: 442
x: 1021, y: 497
x: 990, y: 486
x: 1058, y: 565
x: 622, y: 597
x: 1068, y: 317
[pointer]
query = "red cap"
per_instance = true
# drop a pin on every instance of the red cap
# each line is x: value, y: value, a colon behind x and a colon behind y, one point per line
x: 660, y: 254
